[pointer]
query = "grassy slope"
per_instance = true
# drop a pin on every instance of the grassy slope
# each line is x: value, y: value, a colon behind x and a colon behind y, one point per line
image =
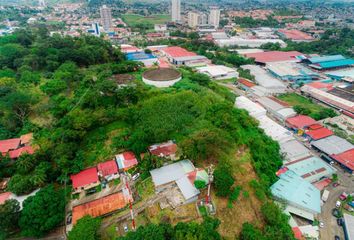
x: 294, y: 99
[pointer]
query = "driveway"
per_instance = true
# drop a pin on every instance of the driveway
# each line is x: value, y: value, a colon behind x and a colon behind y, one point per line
x: 330, y: 222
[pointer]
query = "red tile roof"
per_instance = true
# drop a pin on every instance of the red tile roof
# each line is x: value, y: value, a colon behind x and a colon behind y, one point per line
x: 300, y: 121
x: 294, y: 34
x: 319, y: 133
x: 315, y: 126
x: 4, y: 196
x: 18, y: 152
x: 84, y: 177
x: 108, y: 168
x: 163, y: 149
x: 345, y: 158
x: 246, y: 83
x: 126, y: 160
x: 321, y: 85
x: 273, y: 56
x: 9, y: 144
x: 322, y: 184
x: 178, y: 52
x: 100, y: 206
x: 297, y: 233
x: 281, y: 171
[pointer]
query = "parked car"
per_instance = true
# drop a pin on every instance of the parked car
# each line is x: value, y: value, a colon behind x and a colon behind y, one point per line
x: 338, y: 203
x: 321, y: 224
x: 348, y: 208
x: 339, y: 221
x: 125, y: 228
x: 336, y: 213
x: 136, y: 176
x: 343, y: 196
x: 335, y: 184
x: 69, y: 219
x: 336, y: 237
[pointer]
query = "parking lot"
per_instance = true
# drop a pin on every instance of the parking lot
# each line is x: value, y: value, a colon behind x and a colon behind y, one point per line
x: 331, y: 227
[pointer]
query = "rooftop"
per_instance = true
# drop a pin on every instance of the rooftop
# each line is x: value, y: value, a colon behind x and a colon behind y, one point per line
x: 346, y: 158
x: 300, y: 121
x: 246, y: 82
x: 274, y: 56
x: 84, y: 177
x: 263, y: 78
x: 346, y: 93
x: 136, y: 56
x: 107, y: 168
x: 332, y: 145
x: 297, y: 192
x: 22, y: 150
x: 311, y: 169
x: 293, y: 150
x: 161, y: 74
x: 9, y: 144
x: 321, y: 85
x: 274, y: 130
x: 254, y: 109
x: 163, y: 149
x: 320, y: 133
x: 100, y: 206
x: 175, y: 52
x: 294, y: 34
x: 349, y: 225
x: 216, y: 70
x: 126, y: 160
x: 286, y: 69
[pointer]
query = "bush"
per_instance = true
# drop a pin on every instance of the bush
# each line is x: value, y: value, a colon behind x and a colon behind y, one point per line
x: 86, y: 228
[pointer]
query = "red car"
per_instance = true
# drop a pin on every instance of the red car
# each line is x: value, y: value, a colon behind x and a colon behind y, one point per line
x: 343, y: 196
x: 335, y: 184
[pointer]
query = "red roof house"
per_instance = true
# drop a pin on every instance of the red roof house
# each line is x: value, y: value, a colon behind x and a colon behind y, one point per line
x: 319, y: 133
x: 22, y: 150
x: 9, y: 144
x: 295, y: 35
x: 4, y: 196
x: 126, y: 160
x: 100, y: 207
x: 300, y: 122
x: 273, y: 56
x: 166, y: 149
x: 107, y: 168
x: 85, y: 179
x: 346, y: 159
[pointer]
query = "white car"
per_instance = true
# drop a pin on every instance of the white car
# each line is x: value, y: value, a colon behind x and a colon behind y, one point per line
x: 136, y: 176
x: 125, y: 227
x: 338, y: 203
x: 321, y: 224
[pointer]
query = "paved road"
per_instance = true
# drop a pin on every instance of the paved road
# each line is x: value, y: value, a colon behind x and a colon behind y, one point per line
x: 330, y: 222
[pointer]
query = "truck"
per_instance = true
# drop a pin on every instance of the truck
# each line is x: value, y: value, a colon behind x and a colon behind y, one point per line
x: 325, y: 195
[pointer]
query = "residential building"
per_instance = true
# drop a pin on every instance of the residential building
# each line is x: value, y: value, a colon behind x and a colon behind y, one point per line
x: 165, y: 150
x: 218, y: 72
x: 300, y: 196
x: 106, y: 17
x: 126, y: 161
x: 214, y: 16
x: 193, y: 19
x: 108, y: 170
x: 85, y: 179
x: 179, y: 176
x: 9, y: 195
x: 176, y: 10
x: 15, y: 147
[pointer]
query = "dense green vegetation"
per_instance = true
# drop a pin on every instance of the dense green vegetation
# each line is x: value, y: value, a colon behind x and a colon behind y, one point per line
x: 144, y: 22
x: 86, y: 228
x: 248, y: 22
x: 61, y: 89
x: 305, y: 106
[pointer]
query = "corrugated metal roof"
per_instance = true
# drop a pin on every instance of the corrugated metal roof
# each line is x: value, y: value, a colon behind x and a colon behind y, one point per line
x: 293, y: 150
x: 187, y: 188
x: 332, y: 145
x: 254, y: 109
x: 338, y: 63
x: 349, y: 225
x: 274, y: 130
x: 297, y: 192
x: 326, y: 58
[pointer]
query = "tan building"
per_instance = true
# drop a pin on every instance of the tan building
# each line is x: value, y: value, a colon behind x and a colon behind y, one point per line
x: 176, y: 10
x: 193, y: 19
x: 106, y: 17
x: 214, y: 16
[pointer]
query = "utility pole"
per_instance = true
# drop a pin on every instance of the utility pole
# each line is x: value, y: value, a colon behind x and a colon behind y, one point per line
x: 130, y: 197
x: 210, y: 179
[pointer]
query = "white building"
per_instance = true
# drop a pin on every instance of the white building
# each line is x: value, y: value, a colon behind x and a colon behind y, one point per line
x: 193, y: 19
x: 106, y: 17
x: 176, y: 10
x: 214, y: 16
x: 246, y: 42
x: 218, y: 72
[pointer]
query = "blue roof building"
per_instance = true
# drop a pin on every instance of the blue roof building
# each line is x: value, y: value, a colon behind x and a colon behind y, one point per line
x: 147, y: 58
x: 300, y: 195
x: 329, y: 62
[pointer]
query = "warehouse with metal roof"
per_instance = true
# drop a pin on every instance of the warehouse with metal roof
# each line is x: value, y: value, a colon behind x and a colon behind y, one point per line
x: 276, y: 109
x: 311, y: 169
x: 254, y: 109
x: 293, y: 150
x: 298, y: 193
x: 292, y: 72
x: 332, y: 145
x: 348, y: 226
x: 329, y: 62
x: 274, y: 130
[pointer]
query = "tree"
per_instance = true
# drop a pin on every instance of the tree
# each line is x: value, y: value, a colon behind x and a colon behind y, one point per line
x: 9, y: 216
x: 86, y: 228
x: 250, y: 232
x: 20, y: 184
x: 200, y: 78
x: 199, y: 184
x: 223, y: 179
x: 42, y: 212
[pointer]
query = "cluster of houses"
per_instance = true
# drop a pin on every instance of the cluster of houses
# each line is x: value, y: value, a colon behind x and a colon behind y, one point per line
x: 175, y: 180
x: 15, y: 147
x: 307, y: 166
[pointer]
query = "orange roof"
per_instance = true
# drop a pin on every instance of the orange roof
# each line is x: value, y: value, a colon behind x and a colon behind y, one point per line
x: 319, y: 133
x: 345, y: 158
x: 297, y: 233
x: 246, y: 82
x: 295, y: 34
x: 26, y: 138
x: 321, y: 85
x: 300, y: 121
x: 100, y: 206
x: 178, y: 52
x: 273, y: 56
x: 9, y: 144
